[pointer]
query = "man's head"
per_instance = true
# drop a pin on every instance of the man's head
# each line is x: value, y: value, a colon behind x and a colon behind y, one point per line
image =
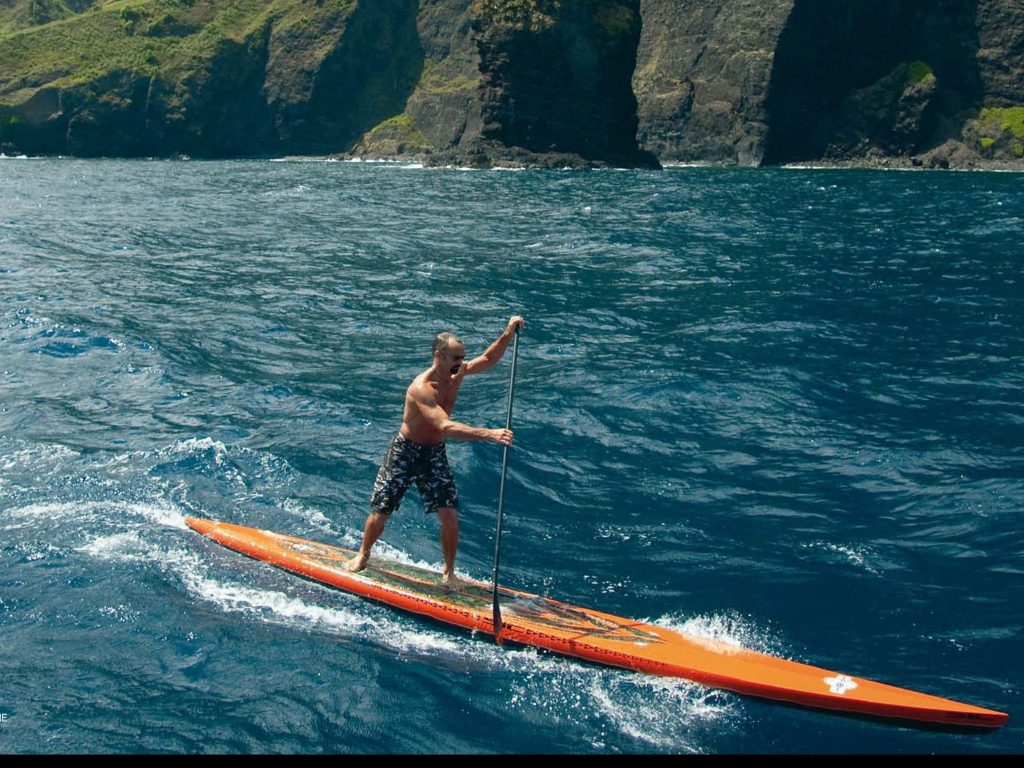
x: 449, y: 352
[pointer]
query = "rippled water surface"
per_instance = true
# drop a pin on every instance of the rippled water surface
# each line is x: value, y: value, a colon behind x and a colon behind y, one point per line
x: 783, y: 408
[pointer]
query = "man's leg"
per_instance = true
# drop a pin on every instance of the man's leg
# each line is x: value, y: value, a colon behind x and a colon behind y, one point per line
x: 449, y: 517
x: 388, y: 489
x: 372, y: 530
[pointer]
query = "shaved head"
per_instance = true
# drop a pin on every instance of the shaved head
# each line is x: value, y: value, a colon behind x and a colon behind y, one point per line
x: 443, y: 341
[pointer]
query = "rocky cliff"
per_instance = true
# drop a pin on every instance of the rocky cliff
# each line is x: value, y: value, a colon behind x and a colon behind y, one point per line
x: 207, y: 78
x: 549, y: 82
x: 702, y: 75
x: 739, y: 81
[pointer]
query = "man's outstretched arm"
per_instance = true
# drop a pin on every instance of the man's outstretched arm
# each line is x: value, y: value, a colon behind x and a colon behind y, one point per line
x: 494, y: 352
x: 456, y: 430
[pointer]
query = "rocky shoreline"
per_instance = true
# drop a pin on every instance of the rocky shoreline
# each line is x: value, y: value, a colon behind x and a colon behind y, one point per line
x: 514, y: 160
x: 952, y: 156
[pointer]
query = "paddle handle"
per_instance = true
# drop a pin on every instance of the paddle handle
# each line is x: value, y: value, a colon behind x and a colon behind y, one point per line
x: 501, y: 492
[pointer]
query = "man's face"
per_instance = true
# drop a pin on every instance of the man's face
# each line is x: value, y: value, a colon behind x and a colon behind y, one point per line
x: 453, y: 358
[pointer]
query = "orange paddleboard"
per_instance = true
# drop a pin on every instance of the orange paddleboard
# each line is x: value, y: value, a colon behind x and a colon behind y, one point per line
x: 598, y: 637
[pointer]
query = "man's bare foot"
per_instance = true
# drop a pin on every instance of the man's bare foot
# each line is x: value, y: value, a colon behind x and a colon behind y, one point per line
x: 358, y: 562
x: 451, y: 582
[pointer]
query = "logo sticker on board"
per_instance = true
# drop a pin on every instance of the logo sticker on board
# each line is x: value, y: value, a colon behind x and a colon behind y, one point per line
x: 840, y: 684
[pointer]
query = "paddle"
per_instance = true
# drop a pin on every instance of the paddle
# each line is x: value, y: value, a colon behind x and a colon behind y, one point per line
x: 501, y: 491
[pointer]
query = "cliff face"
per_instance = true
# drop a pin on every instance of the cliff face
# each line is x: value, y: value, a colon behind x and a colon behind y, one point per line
x: 463, y: 80
x: 215, y: 78
x: 933, y: 82
x: 556, y: 76
x: 522, y: 81
x: 856, y: 76
x: 331, y: 77
x: 445, y: 107
x: 742, y: 82
x: 701, y: 78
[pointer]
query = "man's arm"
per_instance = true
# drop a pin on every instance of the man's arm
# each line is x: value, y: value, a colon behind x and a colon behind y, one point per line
x: 494, y: 352
x: 438, y: 418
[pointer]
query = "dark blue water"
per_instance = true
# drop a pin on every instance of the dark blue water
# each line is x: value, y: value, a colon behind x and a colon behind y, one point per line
x: 781, y: 408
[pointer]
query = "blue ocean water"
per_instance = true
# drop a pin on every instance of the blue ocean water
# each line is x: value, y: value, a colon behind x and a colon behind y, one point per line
x: 781, y: 408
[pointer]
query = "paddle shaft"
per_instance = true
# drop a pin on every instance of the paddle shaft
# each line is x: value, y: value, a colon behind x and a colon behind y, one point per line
x: 501, y: 491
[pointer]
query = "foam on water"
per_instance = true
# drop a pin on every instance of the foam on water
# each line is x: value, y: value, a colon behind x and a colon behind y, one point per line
x: 40, y: 455
x: 80, y: 515
x: 201, y: 445
x: 663, y: 713
x: 190, y: 568
x: 859, y: 556
x: 728, y: 628
x: 315, y: 518
x: 667, y: 713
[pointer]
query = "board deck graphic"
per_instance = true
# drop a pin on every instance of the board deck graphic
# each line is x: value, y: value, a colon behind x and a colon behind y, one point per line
x: 602, y: 638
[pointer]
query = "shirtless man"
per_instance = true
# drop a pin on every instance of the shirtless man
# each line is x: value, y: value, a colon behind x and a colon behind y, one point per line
x: 417, y: 452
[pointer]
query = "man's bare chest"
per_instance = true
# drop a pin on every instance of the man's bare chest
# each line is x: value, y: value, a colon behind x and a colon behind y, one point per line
x: 447, y: 395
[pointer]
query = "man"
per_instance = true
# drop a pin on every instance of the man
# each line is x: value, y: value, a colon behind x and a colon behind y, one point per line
x: 417, y: 452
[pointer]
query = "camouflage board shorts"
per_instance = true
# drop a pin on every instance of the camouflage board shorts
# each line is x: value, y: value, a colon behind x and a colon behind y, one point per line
x: 407, y: 462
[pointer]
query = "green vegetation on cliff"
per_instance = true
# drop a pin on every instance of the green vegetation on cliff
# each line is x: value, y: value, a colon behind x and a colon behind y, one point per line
x: 444, y: 77
x: 205, y: 77
x: 525, y: 15
x: 1006, y: 118
x: 145, y: 37
x: 394, y: 136
x: 917, y: 72
x: 1002, y: 125
x: 612, y: 17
